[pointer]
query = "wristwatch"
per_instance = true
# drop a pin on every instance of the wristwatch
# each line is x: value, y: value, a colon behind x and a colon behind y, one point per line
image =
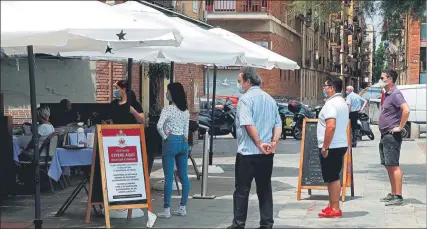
x: 324, y: 149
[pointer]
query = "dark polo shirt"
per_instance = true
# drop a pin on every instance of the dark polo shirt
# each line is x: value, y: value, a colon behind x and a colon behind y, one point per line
x: 391, y: 114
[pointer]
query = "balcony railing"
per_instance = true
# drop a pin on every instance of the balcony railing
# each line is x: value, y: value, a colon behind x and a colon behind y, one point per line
x: 238, y: 6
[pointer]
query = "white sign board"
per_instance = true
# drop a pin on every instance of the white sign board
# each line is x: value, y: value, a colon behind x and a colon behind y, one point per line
x: 123, y: 165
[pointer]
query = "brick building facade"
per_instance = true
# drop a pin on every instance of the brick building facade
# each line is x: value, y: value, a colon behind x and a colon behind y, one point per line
x: 413, y: 55
x: 278, y: 82
x: 267, y: 23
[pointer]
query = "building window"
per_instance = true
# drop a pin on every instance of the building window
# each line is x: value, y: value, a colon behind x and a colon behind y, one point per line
x: 264, y: 44
x: 195, y: 7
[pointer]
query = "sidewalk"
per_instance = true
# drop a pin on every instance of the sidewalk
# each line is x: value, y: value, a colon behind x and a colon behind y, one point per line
x: 364, y: 210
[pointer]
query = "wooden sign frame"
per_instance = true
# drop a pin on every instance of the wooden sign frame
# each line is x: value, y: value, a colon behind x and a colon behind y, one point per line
x: 347, y: 174
x: 98, y: 152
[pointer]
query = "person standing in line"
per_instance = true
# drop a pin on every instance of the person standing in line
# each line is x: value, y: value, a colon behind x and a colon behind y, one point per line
x: 356, y: 104
x: 332, y: 142
x: 393, y: 117
x: 258, y: 128
x: 173, y: 127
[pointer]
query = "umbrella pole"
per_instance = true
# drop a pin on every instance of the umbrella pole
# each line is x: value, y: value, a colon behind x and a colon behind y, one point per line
x: 129, y: 89
x: 38, y: 220
x: 212, y: 129
x: 172, y: 71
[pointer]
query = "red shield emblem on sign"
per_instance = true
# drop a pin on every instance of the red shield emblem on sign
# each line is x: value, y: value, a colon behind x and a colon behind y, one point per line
x: 122, y: 142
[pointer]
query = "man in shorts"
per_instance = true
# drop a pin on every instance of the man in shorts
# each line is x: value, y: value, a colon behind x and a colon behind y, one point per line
x: 332, y: 142
x: 392, y: 120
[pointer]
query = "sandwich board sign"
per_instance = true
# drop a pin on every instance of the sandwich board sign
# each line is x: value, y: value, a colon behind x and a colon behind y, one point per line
x: 310, y: 173
x: 119, y: 177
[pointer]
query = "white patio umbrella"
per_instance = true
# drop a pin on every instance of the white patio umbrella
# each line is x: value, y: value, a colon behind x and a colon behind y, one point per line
x: 53, y: 26
x: 199, y: 46
x: 29, y: 27
x: 274, y: 60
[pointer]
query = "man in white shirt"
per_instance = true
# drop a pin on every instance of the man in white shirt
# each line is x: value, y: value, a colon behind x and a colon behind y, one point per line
x: 332, y: 142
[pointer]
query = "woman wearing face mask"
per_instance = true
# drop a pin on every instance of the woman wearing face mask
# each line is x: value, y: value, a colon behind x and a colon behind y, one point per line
x: 173, y: 127
x: 122, y: 111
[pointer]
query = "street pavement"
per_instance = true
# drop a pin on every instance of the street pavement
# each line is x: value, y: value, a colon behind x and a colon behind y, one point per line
x: 362, y: 211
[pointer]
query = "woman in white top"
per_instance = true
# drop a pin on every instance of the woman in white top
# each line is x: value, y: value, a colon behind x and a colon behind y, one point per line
x: 173, y: 127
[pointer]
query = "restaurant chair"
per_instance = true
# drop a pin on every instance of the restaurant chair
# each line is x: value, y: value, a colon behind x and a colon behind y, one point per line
x: 47, y: 151
x: 193, y: 127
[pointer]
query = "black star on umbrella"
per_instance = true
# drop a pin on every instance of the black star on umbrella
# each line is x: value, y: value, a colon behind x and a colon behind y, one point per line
x: 121, y: 35
x: 108, y: 49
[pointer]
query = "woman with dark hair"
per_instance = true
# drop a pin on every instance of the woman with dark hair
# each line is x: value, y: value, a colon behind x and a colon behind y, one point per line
x: 122, y: 111
x: 173, y: 127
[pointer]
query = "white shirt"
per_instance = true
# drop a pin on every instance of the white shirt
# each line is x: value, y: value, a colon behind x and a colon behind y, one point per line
x: 173, y: 121
x: 334, y: 108
x: 45, y: 129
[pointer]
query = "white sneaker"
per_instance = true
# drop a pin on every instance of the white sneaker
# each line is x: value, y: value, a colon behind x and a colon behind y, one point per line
x: 165, y: 214
x: 180, y: 211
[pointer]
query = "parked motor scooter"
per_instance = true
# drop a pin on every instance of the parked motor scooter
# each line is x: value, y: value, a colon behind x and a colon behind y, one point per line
x: 297, y: 123
x: 224, y: 120
x: 364, y: 127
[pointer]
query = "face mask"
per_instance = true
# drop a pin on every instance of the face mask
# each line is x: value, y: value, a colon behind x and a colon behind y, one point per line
x: 168, y: 97
x: 347, y: 93
x: 240, y: 88
x: 382, y: 83
x: 116, y: 93
x: 324, y: 94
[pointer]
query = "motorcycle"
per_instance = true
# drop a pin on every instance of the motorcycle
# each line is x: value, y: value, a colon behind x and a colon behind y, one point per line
x: 364, y: 127
x: 297, y: 123
x: 224, y: 120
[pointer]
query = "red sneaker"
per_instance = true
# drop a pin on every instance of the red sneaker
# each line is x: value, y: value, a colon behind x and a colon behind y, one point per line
x: 331, y: 213
x: 326, y: 209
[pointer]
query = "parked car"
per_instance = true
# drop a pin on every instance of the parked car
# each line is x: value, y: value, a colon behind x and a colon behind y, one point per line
x: 287, y: 118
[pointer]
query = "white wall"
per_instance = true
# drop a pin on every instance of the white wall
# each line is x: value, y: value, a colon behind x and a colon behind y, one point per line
x: 55, y: 80
x: 224, y: 77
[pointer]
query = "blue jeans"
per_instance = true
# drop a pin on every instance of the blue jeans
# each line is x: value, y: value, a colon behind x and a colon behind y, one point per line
x: 175, y: 149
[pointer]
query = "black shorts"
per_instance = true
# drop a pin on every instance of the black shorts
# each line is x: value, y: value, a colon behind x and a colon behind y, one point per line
x: 332, y: 164
x: 390, y: 149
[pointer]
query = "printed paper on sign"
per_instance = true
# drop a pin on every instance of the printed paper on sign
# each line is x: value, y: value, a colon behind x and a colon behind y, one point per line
x: 124, y: 167
x: 151, y: 219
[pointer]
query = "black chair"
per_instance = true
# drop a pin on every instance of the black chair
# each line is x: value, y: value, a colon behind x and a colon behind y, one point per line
x: 46, y: 152
x: 193, y: 127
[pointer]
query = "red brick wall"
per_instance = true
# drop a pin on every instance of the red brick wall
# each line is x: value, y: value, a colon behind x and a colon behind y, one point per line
x: 19, y: 114
x: 414, y: 45
x: 274, y: 82
x: 187, y: 75
x: 108, y: 73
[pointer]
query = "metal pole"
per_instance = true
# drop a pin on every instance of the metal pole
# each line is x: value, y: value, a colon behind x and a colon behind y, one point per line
x: 172, y: 72
x: 31, y: 62
x: 207, y: 83
x: 205, y: 168
x: 129, y: 89
x: 212, y: 129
